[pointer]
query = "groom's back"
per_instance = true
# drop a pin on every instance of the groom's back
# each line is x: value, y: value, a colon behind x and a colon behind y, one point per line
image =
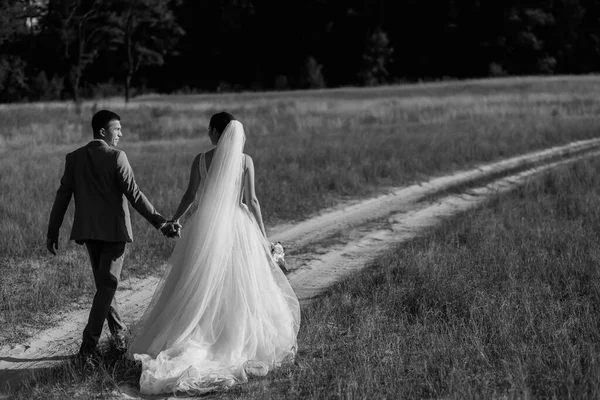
x: 101, y: 212
x: 94, y: 169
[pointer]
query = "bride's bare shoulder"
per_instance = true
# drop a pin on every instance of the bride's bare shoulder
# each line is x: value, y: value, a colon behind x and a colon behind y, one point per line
x: 248, y: 162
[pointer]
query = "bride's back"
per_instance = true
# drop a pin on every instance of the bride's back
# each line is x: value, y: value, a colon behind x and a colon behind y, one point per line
x: 204, y: 167
x: 207, y: 158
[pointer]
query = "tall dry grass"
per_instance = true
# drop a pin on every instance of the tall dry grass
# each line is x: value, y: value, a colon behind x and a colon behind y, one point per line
x: 311, y: 150
x: 499, y: 302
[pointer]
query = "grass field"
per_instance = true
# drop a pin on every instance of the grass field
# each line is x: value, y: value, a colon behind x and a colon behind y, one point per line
x: 499, y: 302
x: 312, y: 149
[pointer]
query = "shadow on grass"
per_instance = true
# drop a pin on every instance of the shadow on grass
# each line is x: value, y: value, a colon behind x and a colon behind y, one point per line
x: 132, y: 390
x: 11, y: 379
x: 20, y: 360
x: 71, y: 377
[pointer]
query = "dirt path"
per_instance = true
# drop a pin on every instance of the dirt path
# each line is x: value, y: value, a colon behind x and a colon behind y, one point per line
x: 329, y: 263
x: 325, y: 248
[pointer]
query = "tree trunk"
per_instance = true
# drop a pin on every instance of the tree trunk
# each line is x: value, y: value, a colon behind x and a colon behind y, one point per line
x: 128, y: 49
x: 76, y: 90
x: 74, y: 79
x: 78, y: 105
x: 127, y: 86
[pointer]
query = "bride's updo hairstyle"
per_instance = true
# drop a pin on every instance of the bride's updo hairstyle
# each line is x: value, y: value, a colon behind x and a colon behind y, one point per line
x: 219, y: 121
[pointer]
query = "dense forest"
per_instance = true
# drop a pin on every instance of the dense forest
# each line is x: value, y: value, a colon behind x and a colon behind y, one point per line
x: 73, y: 49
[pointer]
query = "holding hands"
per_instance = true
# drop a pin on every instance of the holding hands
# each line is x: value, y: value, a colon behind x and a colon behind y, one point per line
x: 171, y: 229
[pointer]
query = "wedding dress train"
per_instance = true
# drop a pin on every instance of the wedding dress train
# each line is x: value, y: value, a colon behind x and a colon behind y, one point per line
x: 224, y: 309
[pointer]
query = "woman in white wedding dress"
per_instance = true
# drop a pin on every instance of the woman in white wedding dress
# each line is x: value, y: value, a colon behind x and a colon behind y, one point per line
x: 224, y: 309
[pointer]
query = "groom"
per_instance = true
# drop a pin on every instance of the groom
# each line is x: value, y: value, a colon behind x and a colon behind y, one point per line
x: 99, y: 177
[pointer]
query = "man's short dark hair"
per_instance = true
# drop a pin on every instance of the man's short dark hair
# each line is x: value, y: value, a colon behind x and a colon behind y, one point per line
x: 220, y: 120
x: 102, y: 118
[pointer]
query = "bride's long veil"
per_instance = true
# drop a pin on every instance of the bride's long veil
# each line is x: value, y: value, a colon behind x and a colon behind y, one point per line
x: 207, y: 239
x: 224, y: 309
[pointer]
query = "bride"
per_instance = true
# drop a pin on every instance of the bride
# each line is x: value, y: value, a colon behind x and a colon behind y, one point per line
x: 223, y: 310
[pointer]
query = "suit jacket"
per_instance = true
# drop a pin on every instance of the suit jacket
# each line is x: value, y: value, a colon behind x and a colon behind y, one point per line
x: 101, y: 180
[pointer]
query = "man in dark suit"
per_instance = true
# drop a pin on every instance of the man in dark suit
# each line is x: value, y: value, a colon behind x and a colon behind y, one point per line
x: 101, y: 180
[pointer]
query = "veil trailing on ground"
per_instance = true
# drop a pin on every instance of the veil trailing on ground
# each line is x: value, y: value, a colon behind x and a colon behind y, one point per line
x: 223, y: 308
x: 209, y: 227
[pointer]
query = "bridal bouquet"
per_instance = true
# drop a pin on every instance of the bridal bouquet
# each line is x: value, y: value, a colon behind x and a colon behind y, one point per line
x: 278, y: 254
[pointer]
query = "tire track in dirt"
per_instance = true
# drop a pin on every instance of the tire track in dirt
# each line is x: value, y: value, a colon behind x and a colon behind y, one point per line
x: 326, y: 265
x: 323, y: 249
x: 339, y: 218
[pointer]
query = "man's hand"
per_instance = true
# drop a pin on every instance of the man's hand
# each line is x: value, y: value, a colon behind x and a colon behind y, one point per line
x: 176, y: 229
x: 52, y: 245
x: 171, y: 229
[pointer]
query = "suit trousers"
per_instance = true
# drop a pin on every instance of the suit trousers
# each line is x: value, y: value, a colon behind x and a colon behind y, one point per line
x: 107, y: 262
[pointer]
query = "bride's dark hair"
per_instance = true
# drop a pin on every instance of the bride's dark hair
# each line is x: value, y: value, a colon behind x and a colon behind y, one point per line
x: 220, y: 120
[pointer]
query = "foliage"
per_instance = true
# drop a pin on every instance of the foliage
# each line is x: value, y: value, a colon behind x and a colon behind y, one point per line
x: 314, y: 76
x: 147, y: 31
x: 225, y: 45
x: 13, y: 81
x: 376, y: 59
x: 81, y: 29
x: 9, y: 25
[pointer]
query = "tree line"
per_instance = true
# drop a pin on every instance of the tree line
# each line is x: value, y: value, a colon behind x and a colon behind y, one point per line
x: 57, y: 49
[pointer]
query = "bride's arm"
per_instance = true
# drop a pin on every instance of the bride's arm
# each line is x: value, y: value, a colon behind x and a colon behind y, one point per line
x: 190, y: 194
x: 250, y: 195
